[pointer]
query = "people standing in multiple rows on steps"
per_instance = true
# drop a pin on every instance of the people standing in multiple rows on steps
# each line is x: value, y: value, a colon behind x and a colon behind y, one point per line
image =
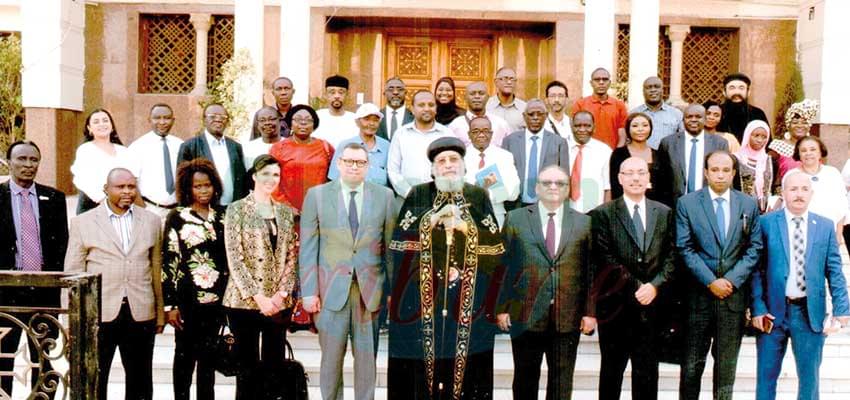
x: 259, y: 237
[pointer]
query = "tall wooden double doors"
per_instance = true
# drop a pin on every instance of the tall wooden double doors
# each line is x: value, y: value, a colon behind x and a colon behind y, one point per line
x: 421, y: 60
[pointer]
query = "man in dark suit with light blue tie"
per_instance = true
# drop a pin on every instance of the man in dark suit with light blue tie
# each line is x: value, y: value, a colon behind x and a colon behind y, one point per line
x: 534, y: 148
x: 719, y: 240
x: 346, y: 226
x: 681, y: 155
x: 789, y: 301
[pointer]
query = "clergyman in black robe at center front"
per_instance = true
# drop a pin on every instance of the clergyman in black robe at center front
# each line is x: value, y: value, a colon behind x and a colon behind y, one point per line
x: 442, y: 322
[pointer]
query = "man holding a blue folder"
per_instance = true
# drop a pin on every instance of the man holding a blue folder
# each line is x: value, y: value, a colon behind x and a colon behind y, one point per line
x: 490, y: 167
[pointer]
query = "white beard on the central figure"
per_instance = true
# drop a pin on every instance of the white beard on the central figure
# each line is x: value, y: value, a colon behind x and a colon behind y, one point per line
x: 449, y: 183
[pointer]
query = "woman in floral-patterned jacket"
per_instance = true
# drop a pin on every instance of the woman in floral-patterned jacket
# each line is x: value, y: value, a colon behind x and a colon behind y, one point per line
x: 262, y: 253
x: 194, y: 266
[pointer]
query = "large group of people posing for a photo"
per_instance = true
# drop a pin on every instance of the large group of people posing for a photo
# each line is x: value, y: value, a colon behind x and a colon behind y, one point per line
x: 668, y: 231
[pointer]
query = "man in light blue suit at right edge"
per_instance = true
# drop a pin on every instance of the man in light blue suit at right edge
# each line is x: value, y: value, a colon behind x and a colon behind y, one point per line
x: 789, y: 299
x: 718, y: 238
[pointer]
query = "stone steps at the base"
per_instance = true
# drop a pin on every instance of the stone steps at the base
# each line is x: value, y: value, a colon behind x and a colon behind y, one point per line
x: 837, y: 345
x: 835, y: 377
x: 227, y: 392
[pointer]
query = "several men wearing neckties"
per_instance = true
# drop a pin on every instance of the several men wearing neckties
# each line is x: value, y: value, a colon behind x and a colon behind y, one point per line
x: 33, y: 237
x: 633, y: 240
x: 534, y: 149
x: 395, y: 113
x: 718, y: 237
x: 590, y: 183
x: 681, y: 155
x: 156, y: 152
x: 122, y: 243
x: 490, y: 167
x: 346, y: 226
x: 225, y: 153
x: 789, y: 301
x: 545, y: 299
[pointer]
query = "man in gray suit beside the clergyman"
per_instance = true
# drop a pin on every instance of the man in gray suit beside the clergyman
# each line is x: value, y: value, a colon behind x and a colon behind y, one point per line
x: 346, y: 226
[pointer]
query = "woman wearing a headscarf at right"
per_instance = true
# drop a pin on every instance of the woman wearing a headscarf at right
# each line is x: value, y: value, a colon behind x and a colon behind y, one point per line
x: 798, y: 121
x: 755, y: 169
